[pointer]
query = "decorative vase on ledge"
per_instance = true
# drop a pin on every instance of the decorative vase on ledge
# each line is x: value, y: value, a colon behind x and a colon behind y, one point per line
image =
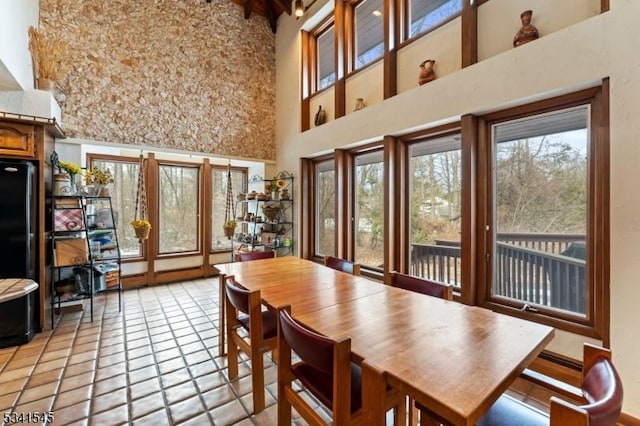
x: 527, y: 32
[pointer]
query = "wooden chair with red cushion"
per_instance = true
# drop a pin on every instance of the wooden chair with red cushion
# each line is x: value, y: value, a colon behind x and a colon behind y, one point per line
x: 600, y: 397
x: 325, y: 370
x: 422, y: 285
x: 255, y: 255
x: 244, y: 316
x: 342, y: 265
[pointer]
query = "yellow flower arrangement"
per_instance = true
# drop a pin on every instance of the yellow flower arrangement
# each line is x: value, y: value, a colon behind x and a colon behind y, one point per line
x: 141, y: 223
x: 276, y: 185
x: 96, y: 176
x: 70, y: 168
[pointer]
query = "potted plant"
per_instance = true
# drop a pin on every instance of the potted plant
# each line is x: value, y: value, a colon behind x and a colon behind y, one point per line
x: 142, y: 228
x: 49, y: 55
x: 229, y: 228
x: 98, y: 178
x: 70, y: 169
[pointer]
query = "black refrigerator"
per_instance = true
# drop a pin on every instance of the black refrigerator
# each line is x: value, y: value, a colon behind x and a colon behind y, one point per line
x: 18, y: 239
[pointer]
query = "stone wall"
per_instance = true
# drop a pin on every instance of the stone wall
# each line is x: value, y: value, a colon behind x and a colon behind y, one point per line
x: 181, y: 74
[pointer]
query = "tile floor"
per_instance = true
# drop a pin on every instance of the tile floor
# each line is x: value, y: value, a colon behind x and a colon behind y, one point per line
x: 156, y: 362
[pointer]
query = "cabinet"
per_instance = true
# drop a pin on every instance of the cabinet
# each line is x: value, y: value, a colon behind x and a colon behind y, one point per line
x: 85, y: 251
x: 16, y: 140
x: 266, y: 218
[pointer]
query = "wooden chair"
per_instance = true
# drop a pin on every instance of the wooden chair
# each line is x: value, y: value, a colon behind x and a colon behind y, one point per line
x: 342, y: 265
x: 244, y: 316
x: 600, y: 395
x: 254, y: 255
x: 325, y: 370
x: 422, y: 285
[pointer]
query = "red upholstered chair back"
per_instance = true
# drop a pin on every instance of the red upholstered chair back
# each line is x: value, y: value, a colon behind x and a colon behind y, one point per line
x: 255, y: 255
x: 239, y: 297
x: 342, y: 265
x: 421, y: 285
x: 325, y: 370
x: 312, y: 348
x: 602, y: 387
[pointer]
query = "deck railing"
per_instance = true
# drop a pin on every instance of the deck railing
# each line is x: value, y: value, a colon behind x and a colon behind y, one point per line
x: 542, y: 269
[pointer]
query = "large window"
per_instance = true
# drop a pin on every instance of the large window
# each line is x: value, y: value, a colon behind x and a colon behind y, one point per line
x: 123, y: 201
x: 511, y: 208
x: 435, y: 209
x: 540, y: 211
x: 325, y: 208
x: 325, y: 61
x: 369, y: 210
x: 178, y: 210
x: 219, y: 180
x: 425, y: 15
x: 369, y: 32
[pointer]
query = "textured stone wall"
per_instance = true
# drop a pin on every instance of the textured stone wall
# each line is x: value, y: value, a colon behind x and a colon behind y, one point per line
x: 181, y: 74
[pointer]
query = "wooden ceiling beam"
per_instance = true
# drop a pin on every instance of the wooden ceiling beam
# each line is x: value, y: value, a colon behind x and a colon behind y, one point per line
x: 286, y: 5
x: 248, y: 7
x: 271, y: 14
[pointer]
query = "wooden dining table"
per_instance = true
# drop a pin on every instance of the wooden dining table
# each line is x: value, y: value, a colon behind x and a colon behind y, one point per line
x: 305, y: 285
x: 454, y: 359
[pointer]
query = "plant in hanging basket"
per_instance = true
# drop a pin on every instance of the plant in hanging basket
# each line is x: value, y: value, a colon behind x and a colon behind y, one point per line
x: 229, y: 228
x: 142, y: 228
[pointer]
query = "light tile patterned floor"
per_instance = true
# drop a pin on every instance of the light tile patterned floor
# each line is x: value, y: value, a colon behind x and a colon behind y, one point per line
x: 156, y: 362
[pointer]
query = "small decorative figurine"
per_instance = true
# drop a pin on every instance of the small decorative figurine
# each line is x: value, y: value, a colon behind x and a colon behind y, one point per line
x: 359, y: 104
x: 321, y: 116
x: 527, y: 32
x: 426, y: 72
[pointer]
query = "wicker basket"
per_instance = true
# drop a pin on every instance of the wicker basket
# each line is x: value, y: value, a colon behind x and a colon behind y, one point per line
x: 228, y: 231
x: 142, y: 233
x: 270, y: 212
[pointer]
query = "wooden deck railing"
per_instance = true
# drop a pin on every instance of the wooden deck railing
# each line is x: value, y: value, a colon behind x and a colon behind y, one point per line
x: 532, y: 268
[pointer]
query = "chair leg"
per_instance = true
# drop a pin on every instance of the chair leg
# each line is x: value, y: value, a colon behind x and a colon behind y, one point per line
x: 232, y: 357
x: 400, y: 411
x: 257, y: 381
x: 414, y: 413
x: 284, y: 406
x: 221, y: 315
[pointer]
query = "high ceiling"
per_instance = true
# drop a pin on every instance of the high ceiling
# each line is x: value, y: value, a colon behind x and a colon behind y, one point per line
x: 271, y: 9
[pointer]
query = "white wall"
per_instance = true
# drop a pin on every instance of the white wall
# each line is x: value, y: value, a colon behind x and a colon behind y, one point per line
x: 364, y: 84
x: 503, y: 18
x: 564, y: 61
x: 16, y: 16
x: 443, y: 45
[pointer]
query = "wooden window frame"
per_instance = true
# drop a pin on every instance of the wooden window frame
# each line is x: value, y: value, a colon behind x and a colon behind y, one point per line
x: 314, y: 70
x: 351, y: 42
x: 245, y: 185
x: 201, y: 214
x: 90, y: 159
x: 595, y: 323
x: 347, y: 204
x: 404, y: 11
x: 310, y: 209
